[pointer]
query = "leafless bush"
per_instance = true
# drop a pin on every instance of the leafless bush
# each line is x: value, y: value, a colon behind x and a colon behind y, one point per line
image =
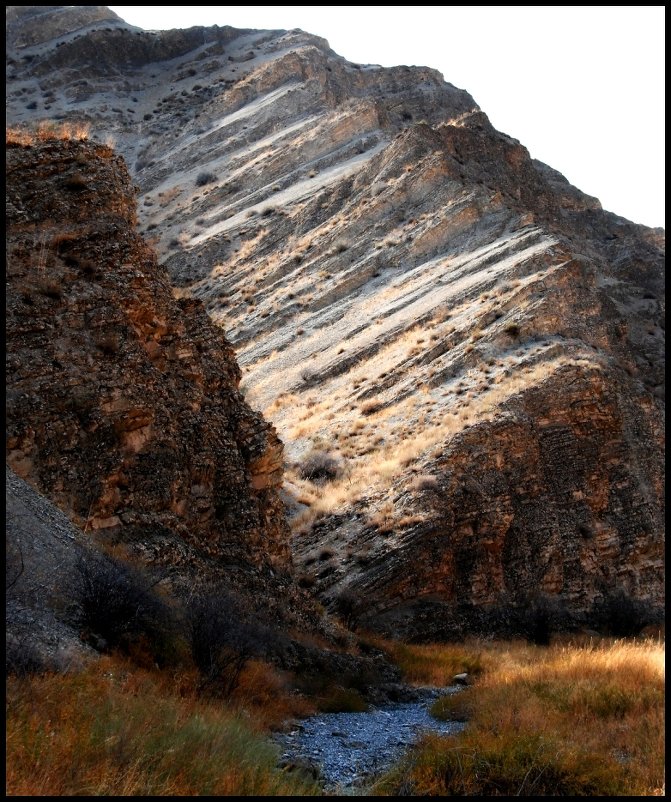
x: 223, y: 640
x: 320, y: 467
x: 118, y: 606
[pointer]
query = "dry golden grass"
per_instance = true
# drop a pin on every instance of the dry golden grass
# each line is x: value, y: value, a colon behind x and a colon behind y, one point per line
x: 46, y: 131
x: 116, y: 730
x: 433, y: 663
x: 572, y: 719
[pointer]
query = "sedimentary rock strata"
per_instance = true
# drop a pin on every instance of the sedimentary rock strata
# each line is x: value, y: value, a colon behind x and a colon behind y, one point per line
x: 471, y: 346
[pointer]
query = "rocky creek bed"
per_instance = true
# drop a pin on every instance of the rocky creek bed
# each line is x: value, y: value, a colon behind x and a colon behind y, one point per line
x: 345, y: 750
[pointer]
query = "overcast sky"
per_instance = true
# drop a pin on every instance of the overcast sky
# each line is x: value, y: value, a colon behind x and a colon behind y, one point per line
x: 582, y: 87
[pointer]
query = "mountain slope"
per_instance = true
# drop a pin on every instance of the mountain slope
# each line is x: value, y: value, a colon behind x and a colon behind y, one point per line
x: 462, y: 352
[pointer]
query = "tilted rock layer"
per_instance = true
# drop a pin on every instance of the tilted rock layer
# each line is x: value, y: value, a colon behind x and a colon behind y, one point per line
x: 471, y: 346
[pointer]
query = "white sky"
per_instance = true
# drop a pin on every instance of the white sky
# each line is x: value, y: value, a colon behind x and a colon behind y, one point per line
x: 582, y: 87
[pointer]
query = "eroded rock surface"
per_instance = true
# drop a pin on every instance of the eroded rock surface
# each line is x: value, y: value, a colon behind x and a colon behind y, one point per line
x: 474, y: 343
x: 122, y: 403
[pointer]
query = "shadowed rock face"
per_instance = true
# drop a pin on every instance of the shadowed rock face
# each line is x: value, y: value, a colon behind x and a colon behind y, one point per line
x: 473, y: 343
x: 122, y: 403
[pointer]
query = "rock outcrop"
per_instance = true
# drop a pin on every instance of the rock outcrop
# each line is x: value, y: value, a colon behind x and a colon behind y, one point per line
x: 122, y: 403
x: 470, y: 347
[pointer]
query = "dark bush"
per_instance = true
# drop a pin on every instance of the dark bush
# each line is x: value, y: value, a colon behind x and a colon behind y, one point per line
x: 223, y: 640
x: 119, y: 608
x: 538, y: 621
x: 21, y: 656
x: 348, y: 606
x: 306, y: 580
x: 205, y: 178
x: 76, y: 183
x: 621, y: 616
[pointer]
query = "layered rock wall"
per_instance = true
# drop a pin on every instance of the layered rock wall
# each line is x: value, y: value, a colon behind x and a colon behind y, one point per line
x: 122, y: 403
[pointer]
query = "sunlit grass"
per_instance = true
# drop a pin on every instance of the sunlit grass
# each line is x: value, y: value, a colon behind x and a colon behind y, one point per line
x: 45, y: 131
x: 571, y: 719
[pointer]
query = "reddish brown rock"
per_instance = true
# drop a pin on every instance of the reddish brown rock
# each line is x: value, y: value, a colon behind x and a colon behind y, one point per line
x: 122, y: 402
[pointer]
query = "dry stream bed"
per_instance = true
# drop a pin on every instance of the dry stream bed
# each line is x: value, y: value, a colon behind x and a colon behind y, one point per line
x: 348, y: 750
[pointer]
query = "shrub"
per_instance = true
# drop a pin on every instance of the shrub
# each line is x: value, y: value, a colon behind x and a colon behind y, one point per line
x: 621, y: 616
x: 109, y: 343
x: 51, y: 287
x: 512, y: 330
x: 21, y: 657
x: 342, y: 700
x: 118, y: 608
x: 349, y: 606
x: 538, y: 619
x: 320, y: 467
x: 306, y: 580
x: 424, y: 482
x: 205, y: 178
x: 222, y: 640
x: 75, y: 183
x: 371, y: 406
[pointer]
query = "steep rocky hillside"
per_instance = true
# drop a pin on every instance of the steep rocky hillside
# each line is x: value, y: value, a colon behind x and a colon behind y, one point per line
x: 122, y: 403
x: 463, y: 353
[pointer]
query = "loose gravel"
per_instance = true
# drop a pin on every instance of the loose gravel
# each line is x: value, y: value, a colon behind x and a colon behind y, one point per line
x: 346, y: 750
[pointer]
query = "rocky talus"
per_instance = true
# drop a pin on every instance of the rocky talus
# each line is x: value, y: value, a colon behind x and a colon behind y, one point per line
x: 463, y: 353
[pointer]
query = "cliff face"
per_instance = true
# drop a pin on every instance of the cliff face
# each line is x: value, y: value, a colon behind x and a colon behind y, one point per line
x: 122, y: 403
x: 463, y: 353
